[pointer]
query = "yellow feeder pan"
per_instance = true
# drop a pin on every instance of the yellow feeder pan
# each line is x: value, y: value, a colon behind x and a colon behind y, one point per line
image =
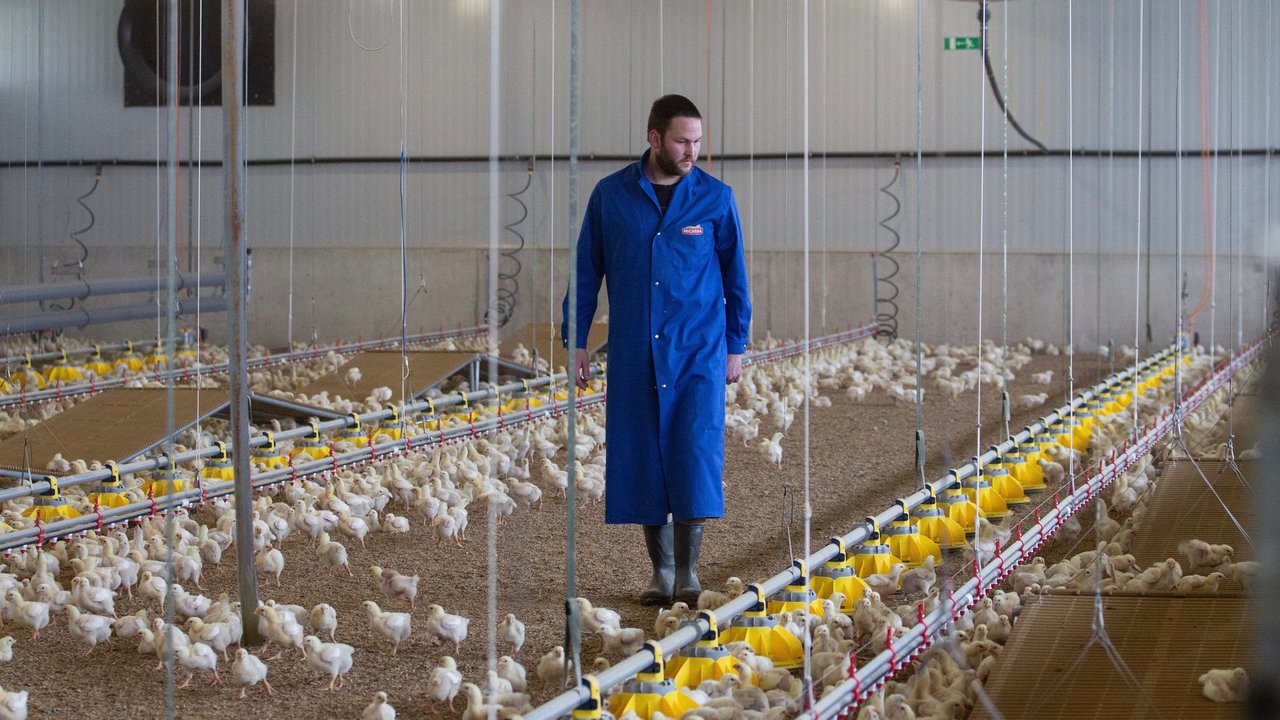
x: 269, y: 455
x: 873, y: 556
x: 389, y: 427
x: 354, y: 434
x: 990, y: 503
x: 311, y: 445
x: 1006, y: 484
x: 591, y: 708
x: 794, y: 596
x: 1028, y: 472
x: 96, y: 364
x: 960, y: 508
x: 766, y: 635
x: 64, y: 372
x: 907, y: 542
x: 650, y: 692
x: 1071, y: 434
x: 219, y: 467
x: 934, y: 523
x: 157, y: 356
x: 130, y: 359
x: 27, y: 377
x: 110, y: 491
x: 838, y: 576
x: 166, y: 480
x: 50, y: 505
x: 705, y: 660
x: 4, y: 386
x: 184, y: 352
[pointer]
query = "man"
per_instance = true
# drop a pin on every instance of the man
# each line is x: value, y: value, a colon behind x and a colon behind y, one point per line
x: 666, y: 236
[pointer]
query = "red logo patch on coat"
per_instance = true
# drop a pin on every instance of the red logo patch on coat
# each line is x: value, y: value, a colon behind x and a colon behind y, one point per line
x: 692, y: 230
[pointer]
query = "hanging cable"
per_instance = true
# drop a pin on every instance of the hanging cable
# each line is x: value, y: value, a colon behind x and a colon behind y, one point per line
x: 508, y: 285
x: 293, y: 137
x: 919, y: 352
x: 983, y: 16
x: 1005, y: 410
x: 1137, y: 244
x: 808, y: 352
x: 887, y: 319
x: 78, y: 264
x: 351, y: 7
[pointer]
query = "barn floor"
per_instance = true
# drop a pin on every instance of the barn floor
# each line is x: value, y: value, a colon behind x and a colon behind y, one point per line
x: 860, y: 460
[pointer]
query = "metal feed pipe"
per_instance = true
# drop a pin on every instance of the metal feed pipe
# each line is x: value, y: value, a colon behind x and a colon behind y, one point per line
x: 81, y: 317
x: 876, y: 671
x: 182, y: 374
x: 115, y: 286
x: 567, y: 701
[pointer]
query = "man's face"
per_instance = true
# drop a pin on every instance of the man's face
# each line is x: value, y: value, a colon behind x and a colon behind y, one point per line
x: 676, y: 150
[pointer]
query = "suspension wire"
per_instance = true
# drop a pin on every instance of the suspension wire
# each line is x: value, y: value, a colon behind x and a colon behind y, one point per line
x: 1179, y: 282
x: 495, y: 229
x: 826, y: 215
x: 1238, y: 312
x: 293, y: 136
x: 1268, y: 235
x: 1004, y: 228
x: 551, y: 194
x: 1209, y: 204
x: 808, y: 352
x: 1071, y: 231
x: 1212, y: 206
x: 404, y: 210
x: 172, y: 144
x: 920, y: 446
x: 199, y: 173
x: 573, y: 627
x: 351, y: 6
x: 1137, y: 246
x: 1111, y: 185
x: 985, y: 17
x: 751, y: 151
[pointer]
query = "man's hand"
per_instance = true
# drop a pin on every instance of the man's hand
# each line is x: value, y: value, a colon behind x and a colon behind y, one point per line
x: 582, y: 368
x: 733, y: 371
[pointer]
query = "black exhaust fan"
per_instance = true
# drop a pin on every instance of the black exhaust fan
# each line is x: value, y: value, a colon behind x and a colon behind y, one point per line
x: 142, y: 37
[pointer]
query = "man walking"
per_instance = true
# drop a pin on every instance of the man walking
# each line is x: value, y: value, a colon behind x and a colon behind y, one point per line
x: 666, y: 236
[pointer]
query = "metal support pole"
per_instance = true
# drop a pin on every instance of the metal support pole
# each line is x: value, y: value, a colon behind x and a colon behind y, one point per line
x: 233, y: 148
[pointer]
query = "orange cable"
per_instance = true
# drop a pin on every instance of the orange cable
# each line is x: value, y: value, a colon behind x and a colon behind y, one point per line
x: 1206, y: 184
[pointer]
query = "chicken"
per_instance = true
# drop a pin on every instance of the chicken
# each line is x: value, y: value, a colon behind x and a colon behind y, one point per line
x: 394, y: 585
x: 1201, y: 554
x: 197, y: 656
x: 217, y: 635
x: 323, y: 619
x: 352, y: 526
x: 332, y: 554
x: 444, y: 626
x: 1042, y: 378
x: 1221, y: 685
x: 396, y: 524
x: 1032, y: 401
x: 6, y: 649
x: 270, y: 561
x: 886, y: 583
x: 624, y: 642
x: 249, y: 670
x: 551, y: 667
x: 921, y: 579
x: 32, y: 613
x: 13, y: 704
x: 92, y: 599
x: 445, y: 681
x: 711, y: 599
x: 771, y: 449
x: 379, y: 708
x: 394, y: 626
x: 351, y: 377
x: 1207, y: 584
x: 87, y: 627
x: 513, y: 672
x: 593, y: 617
x: 282, y: 629
x: 1053, y: 472
x: 511, y: 632
x: 335, y: 659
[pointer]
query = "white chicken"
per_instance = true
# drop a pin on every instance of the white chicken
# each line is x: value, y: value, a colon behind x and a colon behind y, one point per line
x: 396, y: 586
x: 323, y: 619
x: 13, y: 704
x: 444, y: 626
x: 511, y: 631
x: 6, y: 649
x: 332, y: 554
x: 196, y: 657
x: 249, y: 670
x: 270, y: 561
x: 594, y: 617
x: 87, y: 627
x: 551, y: 667
x: 512, y: 671
x: 1225, y: 685
x: 394, y: 626
x: 445, y: 681
x: 379, y: 708
x: 32, y: 613
x: 334, y: 659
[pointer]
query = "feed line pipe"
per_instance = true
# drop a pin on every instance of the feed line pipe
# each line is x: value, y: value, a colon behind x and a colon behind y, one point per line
x: 60, y: 391
x: 287, y: 356
x: 403, y: 411
x: 872, y: 675
x: 691, y: 632
x: 115, y: 286
x: 105, y: 517
x: 81, y: 317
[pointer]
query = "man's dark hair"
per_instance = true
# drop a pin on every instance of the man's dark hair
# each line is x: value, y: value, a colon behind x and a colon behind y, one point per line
x: 669, y: 107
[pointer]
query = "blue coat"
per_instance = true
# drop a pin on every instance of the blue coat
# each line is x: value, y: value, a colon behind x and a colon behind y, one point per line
x: 678, y: 302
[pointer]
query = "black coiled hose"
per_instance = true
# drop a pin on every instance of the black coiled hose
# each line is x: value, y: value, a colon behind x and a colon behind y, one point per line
x: 886, y: 289
x: 508, y: 283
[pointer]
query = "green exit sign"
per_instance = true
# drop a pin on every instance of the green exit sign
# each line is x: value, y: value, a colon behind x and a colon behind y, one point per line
x: 962, y: 43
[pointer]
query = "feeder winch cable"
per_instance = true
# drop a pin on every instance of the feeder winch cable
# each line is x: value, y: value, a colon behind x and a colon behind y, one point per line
x: 508, y: 287
x: 984, y: 14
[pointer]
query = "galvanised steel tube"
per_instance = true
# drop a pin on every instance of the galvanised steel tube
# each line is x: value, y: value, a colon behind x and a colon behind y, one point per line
x: 867, y: 678
x: 567, y: 701
x: 85, y: 523
x: 114, y: 286
x: 61, y: 391
x: 82, y: 317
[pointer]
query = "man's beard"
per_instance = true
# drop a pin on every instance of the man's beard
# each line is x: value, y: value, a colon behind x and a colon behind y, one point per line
x: 668, y: 165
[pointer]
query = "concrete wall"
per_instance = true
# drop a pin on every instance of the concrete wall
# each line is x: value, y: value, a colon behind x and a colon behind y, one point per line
x: 335, y: 228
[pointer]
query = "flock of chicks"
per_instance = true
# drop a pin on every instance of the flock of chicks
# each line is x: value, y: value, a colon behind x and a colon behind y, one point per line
x: 437, y: 487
